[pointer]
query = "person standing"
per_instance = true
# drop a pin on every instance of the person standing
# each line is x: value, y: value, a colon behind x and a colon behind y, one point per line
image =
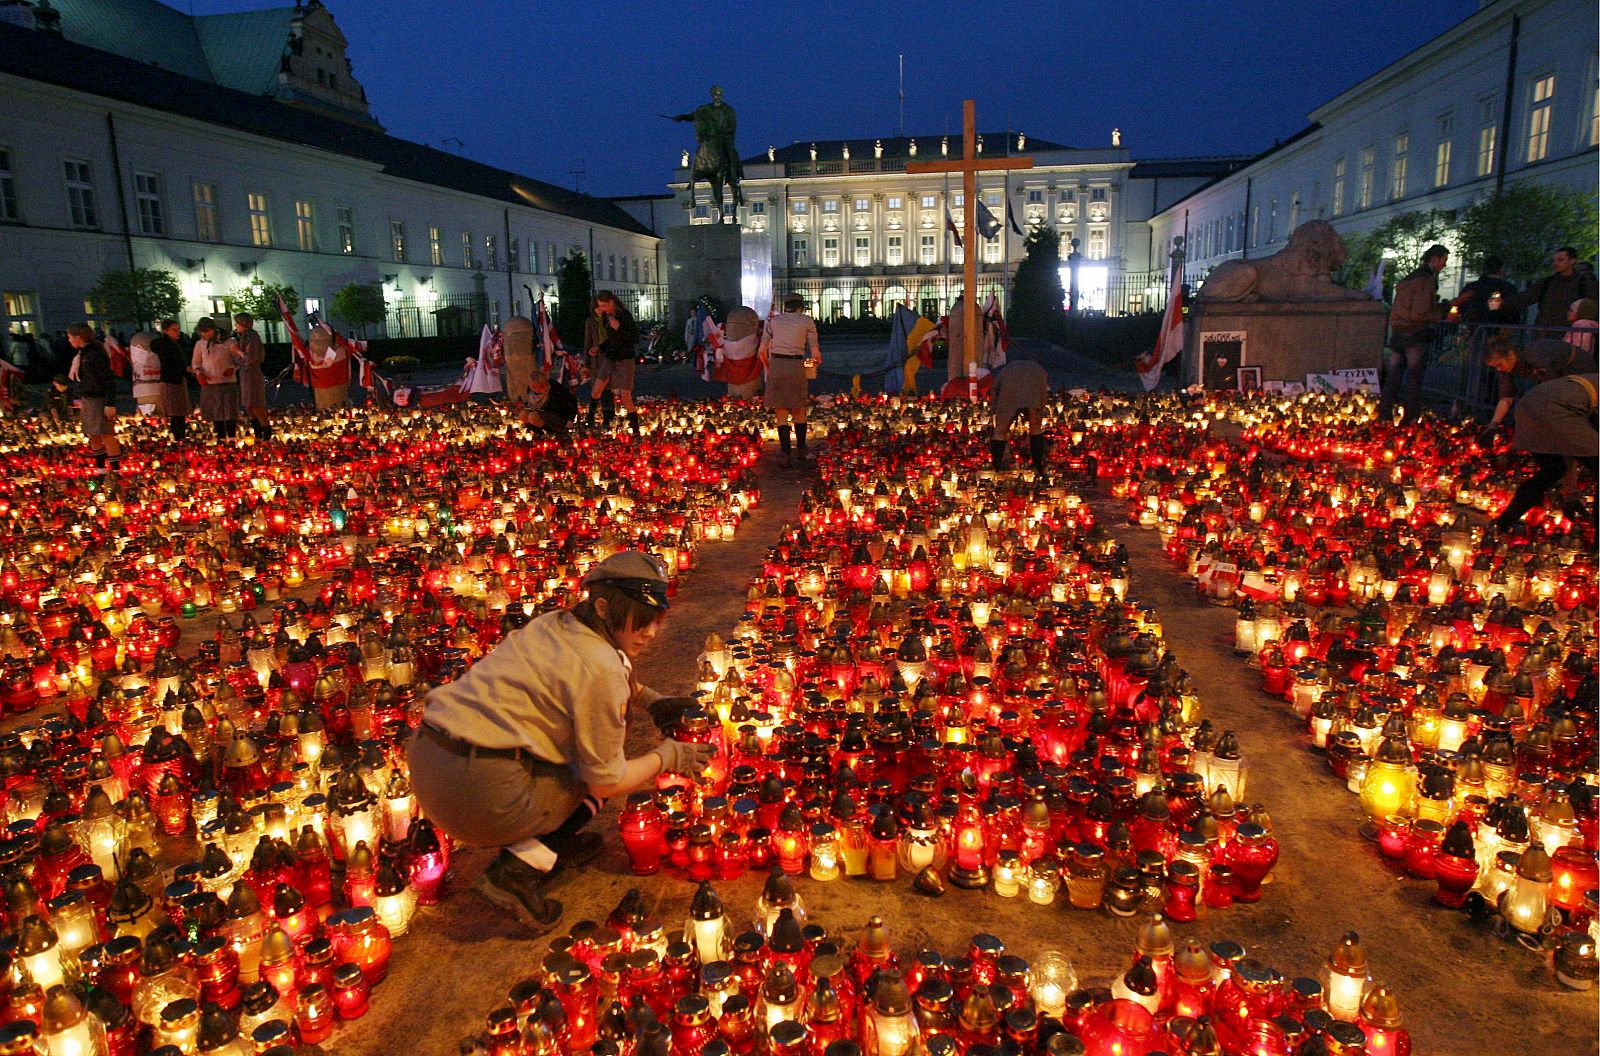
x: 1490, y: 298
x: 252, y: 379
x: 1020, y: 388
x: 1554, y: 424
x: 174, y: 377
x: 740, y: 368
x: 1554, y: 293
x: 790, y: 347
x: 215, y: 363
x: 1413, y: 324
x: 330, y: 369
x: 521, y: 752
x: 144, y: 366
x: 615, y: 355
x: 97, y: 391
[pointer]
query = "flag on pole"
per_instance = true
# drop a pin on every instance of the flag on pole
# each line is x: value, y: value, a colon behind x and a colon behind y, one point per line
x: 484, y: 375
x: 1375, y: 284
x: 950, y: 225
x: 910, y: 337
x: 1011, y: 218
x: 988, y: 226
x: 299, y: 353
x: 1169, y: 345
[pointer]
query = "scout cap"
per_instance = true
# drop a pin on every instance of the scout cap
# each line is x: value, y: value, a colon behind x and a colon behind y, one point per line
x: 634, y: 572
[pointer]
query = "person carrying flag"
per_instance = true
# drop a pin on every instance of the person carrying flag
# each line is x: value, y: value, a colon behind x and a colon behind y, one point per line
x: 740, y: 367
x: 174, y: 377
x: 330, y: 369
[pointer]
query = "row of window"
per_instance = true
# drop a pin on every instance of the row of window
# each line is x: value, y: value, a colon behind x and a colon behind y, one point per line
x: 958, y: 200
x: 151, y: 218
x: 1228, y: 234
x: 1535, y: 148
x: 927, y: 250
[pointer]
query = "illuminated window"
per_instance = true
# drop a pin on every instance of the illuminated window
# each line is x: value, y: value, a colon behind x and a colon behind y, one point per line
x: 991, y: 251
x: 466, y: 249
x: 896, y: 252
x: 345, y: 217
x: 1486, y: 135
x: 830, y: 206
x: 801, y: 252
x: 1369, y: 166
x: 927, y: 251
x: 1338, y: 187
x: 863, y: 251
x: 1294, y: 211
x: 800, y: 207
x: 305, y: 226
x: 830, y: 252
x: 863, y: 204
x: 1441, y: 153
x: 928, y: 201
x: 260, y: 219
x: 435, y: 247
x: 1397, y: 177
x: 491, y: 252
x: 206, y: 228
x: 1544, y: 90
x: 397, y: 240
x: 895, y: 201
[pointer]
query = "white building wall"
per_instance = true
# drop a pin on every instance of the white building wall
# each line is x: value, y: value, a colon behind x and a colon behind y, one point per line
x: 1459, y: 76
x: 43, y: 255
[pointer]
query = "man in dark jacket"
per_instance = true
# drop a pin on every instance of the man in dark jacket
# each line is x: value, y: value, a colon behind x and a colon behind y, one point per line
x: 1490, y: 298
x: 1555, y: 293
x: 174, y: 377
x: 1413, y: 325
x: 97, y: 390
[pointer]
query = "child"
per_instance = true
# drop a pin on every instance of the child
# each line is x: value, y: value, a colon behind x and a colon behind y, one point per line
x: 97, y: 390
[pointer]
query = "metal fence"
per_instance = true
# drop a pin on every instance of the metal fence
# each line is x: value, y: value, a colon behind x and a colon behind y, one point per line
x: 452, y: 315
x: 1456, y: 377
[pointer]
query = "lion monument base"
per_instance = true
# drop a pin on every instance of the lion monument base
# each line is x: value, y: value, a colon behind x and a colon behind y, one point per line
x: 1283, y: 315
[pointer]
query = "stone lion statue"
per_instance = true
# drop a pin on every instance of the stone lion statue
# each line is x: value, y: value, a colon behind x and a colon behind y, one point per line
x: 1298, y: 272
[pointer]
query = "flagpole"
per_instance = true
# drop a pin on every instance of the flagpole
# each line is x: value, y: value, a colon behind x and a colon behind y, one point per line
x: 1005, y: 237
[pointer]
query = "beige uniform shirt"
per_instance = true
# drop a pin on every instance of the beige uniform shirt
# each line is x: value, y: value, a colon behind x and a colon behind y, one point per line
x: 554, y: 688
x: 791, y: 334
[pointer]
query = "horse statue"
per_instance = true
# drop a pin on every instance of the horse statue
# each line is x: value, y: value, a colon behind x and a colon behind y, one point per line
x: 716, y: 160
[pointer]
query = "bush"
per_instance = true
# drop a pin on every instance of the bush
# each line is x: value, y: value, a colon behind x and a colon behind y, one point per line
x: 400, y: 365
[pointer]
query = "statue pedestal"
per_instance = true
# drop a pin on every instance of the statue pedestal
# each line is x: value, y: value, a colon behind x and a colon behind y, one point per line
x: 720, y: 261
x: 1287, y: 340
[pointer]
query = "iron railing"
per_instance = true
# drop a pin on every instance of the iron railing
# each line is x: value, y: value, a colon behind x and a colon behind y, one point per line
x: 1456, y: 377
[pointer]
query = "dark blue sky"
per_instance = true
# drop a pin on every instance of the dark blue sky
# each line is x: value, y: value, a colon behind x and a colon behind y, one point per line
x: 542, y: 88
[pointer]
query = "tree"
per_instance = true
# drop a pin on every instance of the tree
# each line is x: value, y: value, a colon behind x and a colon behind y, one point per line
x: 142, y: 296
x: 359, y: 305
x: 572, y: 287
x: 1400, y: 240
x: 260, y: 298
x: 1525, y: 223
x: 1036, y: 295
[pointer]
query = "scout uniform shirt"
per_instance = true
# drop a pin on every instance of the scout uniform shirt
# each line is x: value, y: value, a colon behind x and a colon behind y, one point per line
x: 555, y: 689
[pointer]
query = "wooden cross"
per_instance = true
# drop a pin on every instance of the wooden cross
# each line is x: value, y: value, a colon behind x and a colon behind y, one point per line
x: 969, y: 166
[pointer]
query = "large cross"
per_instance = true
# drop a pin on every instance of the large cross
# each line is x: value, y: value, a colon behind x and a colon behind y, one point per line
x: 969, y: 166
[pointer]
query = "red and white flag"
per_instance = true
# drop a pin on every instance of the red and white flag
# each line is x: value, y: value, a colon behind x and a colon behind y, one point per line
x: 299, y: 353
x: 1169, y: 345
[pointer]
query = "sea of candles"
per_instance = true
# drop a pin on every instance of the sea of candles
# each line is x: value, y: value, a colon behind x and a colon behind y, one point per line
x: 791, y: 984
x: 210, y: 839
x: 1446, y: 670
x: 939, y: 676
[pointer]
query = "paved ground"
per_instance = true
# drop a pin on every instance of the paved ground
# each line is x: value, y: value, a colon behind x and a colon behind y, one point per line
x: 1463, y: 991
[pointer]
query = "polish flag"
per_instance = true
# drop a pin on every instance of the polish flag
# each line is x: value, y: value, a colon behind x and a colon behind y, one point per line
x: 1169, y: 345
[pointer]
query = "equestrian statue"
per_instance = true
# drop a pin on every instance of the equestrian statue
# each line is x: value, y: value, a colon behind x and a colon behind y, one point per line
x: 716, y: 160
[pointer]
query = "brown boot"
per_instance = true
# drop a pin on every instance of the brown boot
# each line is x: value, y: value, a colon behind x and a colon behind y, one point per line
x: 515, y: 886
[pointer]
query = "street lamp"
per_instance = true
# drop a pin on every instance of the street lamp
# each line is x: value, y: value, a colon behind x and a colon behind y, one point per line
x: 204, y: 284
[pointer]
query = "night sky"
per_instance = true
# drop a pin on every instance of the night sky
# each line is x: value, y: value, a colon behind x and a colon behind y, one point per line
x: 543, y: 88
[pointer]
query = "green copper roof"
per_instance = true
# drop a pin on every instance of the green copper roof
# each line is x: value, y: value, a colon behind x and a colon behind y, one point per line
x: 139, y: 29
x: 246, y: 49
